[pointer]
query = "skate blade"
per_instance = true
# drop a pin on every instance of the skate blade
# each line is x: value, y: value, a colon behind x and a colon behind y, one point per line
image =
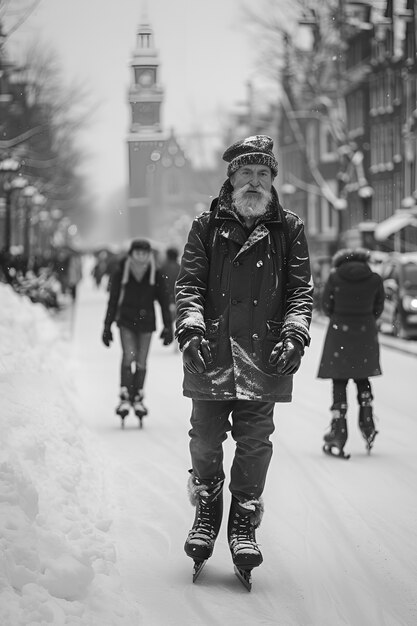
x: 245, y: 577
x: 370, y: 441
x: 329, y: 450
x: 198, y: 566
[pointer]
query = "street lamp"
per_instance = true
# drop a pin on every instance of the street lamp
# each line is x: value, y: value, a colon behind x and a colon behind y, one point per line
x: 8, y: 169
x: 28, y: 194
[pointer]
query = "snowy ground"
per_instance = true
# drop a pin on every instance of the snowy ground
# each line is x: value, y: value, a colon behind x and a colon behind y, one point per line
x: 93, y: 518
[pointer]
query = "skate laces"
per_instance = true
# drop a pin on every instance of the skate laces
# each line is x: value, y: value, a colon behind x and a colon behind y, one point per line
x: 242, y: 537
x: 203, y: 530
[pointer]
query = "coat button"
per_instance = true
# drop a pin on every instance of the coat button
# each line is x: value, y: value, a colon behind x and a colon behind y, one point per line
x: 255, y: 336
x: 234, y: 301
x: 255, y: 303
x: 236, y: 263
x: 259, y: 264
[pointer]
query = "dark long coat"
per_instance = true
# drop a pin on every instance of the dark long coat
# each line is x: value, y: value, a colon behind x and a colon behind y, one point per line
x: 353, y: 298
x: 236, y: 292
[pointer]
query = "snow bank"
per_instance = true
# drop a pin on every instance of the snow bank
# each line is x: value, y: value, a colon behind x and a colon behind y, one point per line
x: 57, y: 562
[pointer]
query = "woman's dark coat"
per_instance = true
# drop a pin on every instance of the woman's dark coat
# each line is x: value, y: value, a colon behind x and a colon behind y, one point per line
x: 132, y: 305
x: 353, y: 298
x: 236, y: 291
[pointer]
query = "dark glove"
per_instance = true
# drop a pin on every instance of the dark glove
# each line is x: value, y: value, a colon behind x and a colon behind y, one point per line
x: 107, y: 336
x: 196, y: 354
x: 286, y: 355
x: 167, y: 336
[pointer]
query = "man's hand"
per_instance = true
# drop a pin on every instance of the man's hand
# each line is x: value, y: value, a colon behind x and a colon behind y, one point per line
x: 286, y: 355
x: 107, y: 336
x: 167, y: 336
x: 196, y: 354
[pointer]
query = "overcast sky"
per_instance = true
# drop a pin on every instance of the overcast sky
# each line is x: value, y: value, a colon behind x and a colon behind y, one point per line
x: 205, y: 62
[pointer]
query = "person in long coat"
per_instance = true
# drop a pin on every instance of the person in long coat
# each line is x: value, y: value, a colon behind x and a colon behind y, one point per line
x: 134, y: 287
x: 244, y: 301
x: 353, y: 299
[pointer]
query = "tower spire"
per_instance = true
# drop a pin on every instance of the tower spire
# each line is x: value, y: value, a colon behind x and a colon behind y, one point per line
x: 145, y: 13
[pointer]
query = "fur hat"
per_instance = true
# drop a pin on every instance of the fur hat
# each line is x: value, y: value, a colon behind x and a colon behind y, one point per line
x: 252, y: 150
x: 345, y: 255
x: 140, y: 244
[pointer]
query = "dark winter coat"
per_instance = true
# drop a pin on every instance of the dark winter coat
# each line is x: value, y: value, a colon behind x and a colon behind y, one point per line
x: 235, y: 290
x: 353, y: 298
x: 132, y: 305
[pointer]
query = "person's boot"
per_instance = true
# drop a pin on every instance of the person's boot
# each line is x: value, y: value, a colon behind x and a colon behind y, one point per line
x: 138, y: 395
x: 335, y: 439
x: 138, y: 406
x: 366, y: 420
x: 244, y: 518
x: 207, y: 497
x: 123, y: 407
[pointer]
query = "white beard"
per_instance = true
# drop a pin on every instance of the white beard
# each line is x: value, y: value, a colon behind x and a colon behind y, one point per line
x: 250, y: 205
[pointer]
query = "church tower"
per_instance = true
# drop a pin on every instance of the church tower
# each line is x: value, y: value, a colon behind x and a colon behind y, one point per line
x: 146, y: 138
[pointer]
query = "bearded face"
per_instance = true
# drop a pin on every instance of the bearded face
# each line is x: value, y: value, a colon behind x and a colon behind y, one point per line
x: 251, y: 202
x: 251, y: 189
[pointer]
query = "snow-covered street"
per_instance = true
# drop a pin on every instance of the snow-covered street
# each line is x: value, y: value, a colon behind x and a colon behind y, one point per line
x: 93, y: 518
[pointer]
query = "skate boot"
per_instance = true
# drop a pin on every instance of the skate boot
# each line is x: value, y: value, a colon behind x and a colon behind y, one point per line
x: 335, y: 439
x: 123, y: 407
x: 207, y: 497
x: 138, y: 407
x: 244, y: 518
x: 366, y: 420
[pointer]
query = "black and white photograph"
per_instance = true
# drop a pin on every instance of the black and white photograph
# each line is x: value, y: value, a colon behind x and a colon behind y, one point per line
x: 208, y: 312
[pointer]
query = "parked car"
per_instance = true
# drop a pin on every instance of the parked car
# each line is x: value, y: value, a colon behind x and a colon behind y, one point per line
x: 399, y: 273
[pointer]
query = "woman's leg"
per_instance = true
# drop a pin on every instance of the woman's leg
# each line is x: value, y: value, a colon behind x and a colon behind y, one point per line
x: 129, y: 356
x: 143, y: 342
x: 339, y: 393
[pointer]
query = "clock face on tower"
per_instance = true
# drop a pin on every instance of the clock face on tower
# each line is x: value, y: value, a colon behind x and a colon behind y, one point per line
x: 146, y: 78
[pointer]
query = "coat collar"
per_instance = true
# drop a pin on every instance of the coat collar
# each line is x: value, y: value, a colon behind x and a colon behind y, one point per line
x: 231, y: 226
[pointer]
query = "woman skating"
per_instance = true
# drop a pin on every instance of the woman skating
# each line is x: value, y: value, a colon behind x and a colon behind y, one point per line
x: 353, y: 299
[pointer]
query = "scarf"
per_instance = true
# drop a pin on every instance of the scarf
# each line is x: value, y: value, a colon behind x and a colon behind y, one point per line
x: 139, y: 269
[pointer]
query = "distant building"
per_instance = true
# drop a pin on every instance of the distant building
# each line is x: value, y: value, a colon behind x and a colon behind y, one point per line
x: 349, y: 145
x: 165, y: 190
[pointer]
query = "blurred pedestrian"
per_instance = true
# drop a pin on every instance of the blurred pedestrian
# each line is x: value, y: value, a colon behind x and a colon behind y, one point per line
x: 244, y: 301
x: 135, y: 286
x: 353, y: 299
x: 75, y: 273
x: 169, y: 273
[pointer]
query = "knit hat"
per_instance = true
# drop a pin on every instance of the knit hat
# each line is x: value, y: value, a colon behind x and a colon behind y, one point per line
x: 140, y: 244
x: 252, y: 150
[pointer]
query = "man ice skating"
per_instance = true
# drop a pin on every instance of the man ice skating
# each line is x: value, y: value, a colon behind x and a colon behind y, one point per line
x: 244, y: 302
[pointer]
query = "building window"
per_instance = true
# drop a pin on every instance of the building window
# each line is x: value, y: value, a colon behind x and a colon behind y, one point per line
x: 327, y: 143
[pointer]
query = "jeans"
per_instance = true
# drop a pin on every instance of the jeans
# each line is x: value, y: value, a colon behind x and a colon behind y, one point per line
x: 135, y: 348
x: 252, y: 424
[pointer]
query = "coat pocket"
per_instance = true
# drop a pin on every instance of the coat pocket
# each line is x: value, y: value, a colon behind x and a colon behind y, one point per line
x: 273, y: 332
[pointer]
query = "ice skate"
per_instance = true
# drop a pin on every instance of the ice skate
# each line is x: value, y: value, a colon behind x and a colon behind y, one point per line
x: 367, y: 425
x: 139, y: 408
x: 208, y: 500
x: 243, y: 520
x: 335, y: 439
x: 123, y: 407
